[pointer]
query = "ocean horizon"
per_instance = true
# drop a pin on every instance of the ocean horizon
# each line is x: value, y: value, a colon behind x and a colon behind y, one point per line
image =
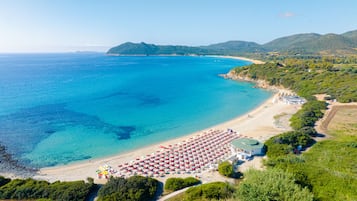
x: 61, y: 108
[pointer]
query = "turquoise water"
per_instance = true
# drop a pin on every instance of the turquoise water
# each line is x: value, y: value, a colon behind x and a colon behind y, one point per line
x: 61, y: 108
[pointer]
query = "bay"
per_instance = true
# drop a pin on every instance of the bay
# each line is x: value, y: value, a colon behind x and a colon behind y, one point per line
x: 60, y: 108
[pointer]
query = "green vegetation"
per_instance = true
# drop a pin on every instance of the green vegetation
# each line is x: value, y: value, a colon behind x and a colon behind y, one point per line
x: 214, y: 190
x: 308, y: 114
x: 285, y: 143
x: 313, y: 43
x: 4, y: 180
x: 30, y: 189
x: 174, y: 184
x: 136, y: 188
x: 306, y: 77
x: 271, y: 185
x: 329, y: 169
x: 226, y: 169
x: 151, y: 49
x: 300, y: 44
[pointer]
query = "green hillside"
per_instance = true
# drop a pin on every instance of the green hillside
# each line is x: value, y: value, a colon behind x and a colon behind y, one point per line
x: 151, y: 49
x: 235, y: 47
x: 309, y: 43
x: 351, y: 35
x: 288, y: 42
x: 313, y: 44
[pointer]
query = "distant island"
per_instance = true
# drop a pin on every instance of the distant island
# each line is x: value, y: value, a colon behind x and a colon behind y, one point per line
x: 308, y: 43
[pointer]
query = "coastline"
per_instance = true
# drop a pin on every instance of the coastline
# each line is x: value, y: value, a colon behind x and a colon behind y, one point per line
x: 254, y: 61
x: 258, y: 124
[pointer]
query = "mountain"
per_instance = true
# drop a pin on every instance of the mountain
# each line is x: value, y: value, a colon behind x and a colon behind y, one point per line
x: 308, y: 43
x: 351, y: 35
x: 314, y: 43
x: 288, y: 42
x: 234, y: 47
x: 151, y: 49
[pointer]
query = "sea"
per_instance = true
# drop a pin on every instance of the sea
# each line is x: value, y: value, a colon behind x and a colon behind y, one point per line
x: 57, y: 109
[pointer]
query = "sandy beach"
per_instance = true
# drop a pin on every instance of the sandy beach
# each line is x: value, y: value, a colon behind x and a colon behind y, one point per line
x: 254, y: 61
x: 259, y: 124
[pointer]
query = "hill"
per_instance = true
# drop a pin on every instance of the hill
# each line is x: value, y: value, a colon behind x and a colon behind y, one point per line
x: 287, y: 42
x: 235, y: 47
x: 309, y: 43
x: 151, y: 49
x: 351, y: 35
x: 314, y: 44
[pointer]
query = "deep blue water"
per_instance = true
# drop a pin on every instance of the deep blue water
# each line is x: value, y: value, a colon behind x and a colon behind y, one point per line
x: 60, y: 108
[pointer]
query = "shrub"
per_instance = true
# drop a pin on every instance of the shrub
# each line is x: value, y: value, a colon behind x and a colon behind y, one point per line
x: 30, y: 189
x: 214, y: 190
x: 285, y: 143
x: 308, y: 115
x: 271, y: 184
x: 135, y: 188
x: 174, y: 184
x: 226, y: 168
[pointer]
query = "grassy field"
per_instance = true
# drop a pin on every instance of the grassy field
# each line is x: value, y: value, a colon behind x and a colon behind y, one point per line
x: 331, y: 165
x: 344, y: 123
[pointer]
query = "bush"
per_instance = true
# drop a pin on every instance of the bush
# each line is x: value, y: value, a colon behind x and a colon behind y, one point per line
x: 174, y: 184
x: 308, y: 114
x: 226, y: 169
x: 33, y: 189
x: 271, y: 184
x: 308, y: 131
x: 135, y: 188
x: 214, y: 190
x: 286, y: 142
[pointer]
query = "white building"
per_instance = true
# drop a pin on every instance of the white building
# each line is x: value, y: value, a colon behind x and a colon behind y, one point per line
x: 293, y: 100
x: 245, y: 148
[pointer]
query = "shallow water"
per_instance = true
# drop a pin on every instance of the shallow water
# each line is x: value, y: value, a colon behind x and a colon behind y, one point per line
x: 60, y: 108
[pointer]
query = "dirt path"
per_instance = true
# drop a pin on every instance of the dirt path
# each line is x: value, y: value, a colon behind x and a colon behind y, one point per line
x: 322, y: 125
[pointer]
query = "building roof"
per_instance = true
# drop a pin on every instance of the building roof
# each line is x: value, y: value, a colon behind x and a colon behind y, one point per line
x: 247, y: 144
x: 294, y: 99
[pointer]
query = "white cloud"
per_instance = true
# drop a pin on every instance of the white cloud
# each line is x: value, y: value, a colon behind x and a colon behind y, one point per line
x: 287, y: 14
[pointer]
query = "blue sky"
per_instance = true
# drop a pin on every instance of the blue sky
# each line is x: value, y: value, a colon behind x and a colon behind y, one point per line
x: 70, y: 25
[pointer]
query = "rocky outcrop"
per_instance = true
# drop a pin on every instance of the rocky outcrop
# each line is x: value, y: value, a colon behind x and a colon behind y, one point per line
x: 258, y: 83
x: 10, y: 167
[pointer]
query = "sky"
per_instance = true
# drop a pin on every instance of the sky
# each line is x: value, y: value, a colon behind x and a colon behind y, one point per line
x: 96, y: 25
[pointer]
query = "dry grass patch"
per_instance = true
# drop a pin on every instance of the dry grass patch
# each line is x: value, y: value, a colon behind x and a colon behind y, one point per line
x: 344, y: 122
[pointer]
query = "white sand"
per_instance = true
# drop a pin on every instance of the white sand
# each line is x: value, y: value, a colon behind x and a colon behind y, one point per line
x: 242, y: 58
x: 258, y: 124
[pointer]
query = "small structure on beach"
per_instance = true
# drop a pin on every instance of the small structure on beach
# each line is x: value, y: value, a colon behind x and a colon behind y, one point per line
x: 244, y: 148
x: 293, y: 100
x: 105, y: 171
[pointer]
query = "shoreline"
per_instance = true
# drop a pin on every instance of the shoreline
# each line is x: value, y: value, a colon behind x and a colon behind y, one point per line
x: 254, y: 61
x: 245, y: 124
